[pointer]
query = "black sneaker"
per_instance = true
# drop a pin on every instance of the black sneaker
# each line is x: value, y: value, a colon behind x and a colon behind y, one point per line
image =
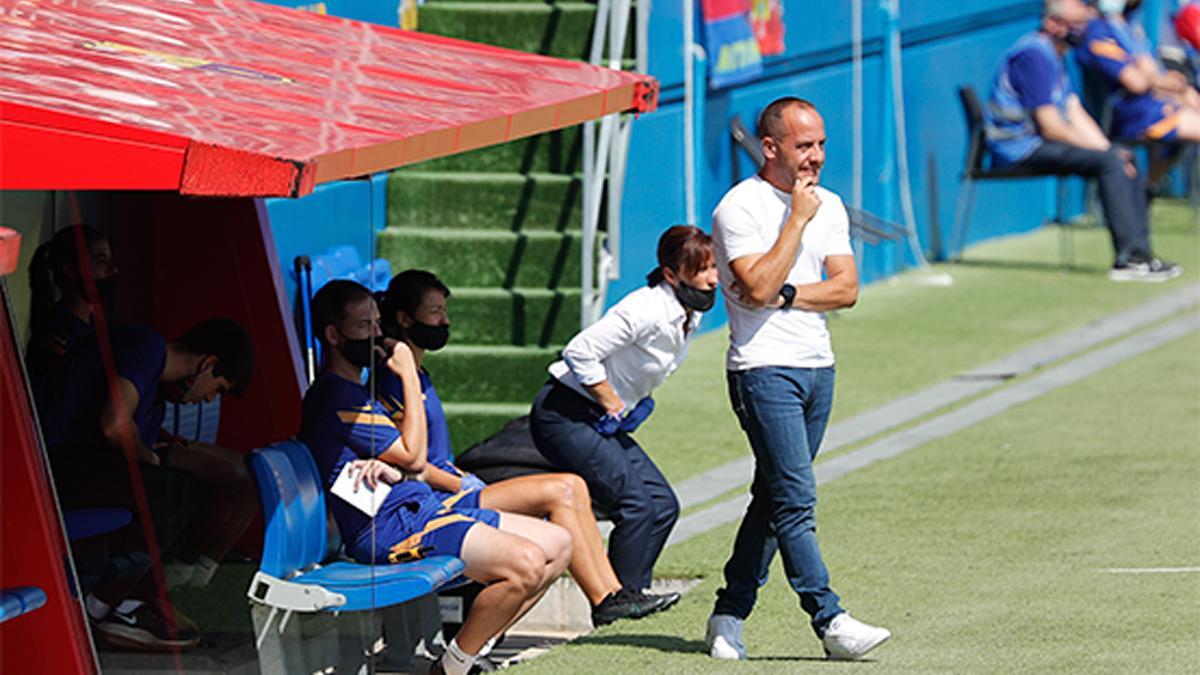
x: 627, y: 604
x: 665, y: 600
x: 1149, y: 270
x: 145, y: 629
x: 482, y: 664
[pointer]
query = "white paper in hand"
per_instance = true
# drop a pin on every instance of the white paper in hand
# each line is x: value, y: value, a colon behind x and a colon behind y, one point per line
x: 364, y: 499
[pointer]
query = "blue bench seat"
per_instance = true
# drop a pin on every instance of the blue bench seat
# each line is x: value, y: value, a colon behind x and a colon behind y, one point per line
x: 300, y: 570
x: 20, y: 600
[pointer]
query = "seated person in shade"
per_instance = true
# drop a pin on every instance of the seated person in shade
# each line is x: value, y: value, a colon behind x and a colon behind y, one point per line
x: 414, y: 310
x: 517, y: 557
x: 101, y: 409
x: 1033, y: 120
x: 60, y: 311
x: 1148, y: 102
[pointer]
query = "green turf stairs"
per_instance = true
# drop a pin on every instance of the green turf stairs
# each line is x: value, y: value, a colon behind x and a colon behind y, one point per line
x: 501, y: 226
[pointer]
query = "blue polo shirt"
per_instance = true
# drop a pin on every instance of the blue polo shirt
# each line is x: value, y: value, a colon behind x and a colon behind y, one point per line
x: 1031, y: 75
x: 72, y: 395
x: 341, y: 423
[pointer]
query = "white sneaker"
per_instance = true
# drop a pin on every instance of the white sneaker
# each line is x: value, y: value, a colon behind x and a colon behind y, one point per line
x: 847, y: 638
x: 724, y: 638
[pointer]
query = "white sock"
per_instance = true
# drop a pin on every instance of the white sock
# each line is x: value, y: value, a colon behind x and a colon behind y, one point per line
x: 455, y: 661
x: 176, y: 574
x: 127, y: 606
x: 96, y: 608
x: 486, y: 648
x: 204, y: 569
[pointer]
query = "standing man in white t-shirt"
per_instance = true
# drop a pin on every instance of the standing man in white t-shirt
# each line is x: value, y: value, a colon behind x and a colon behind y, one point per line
x: 784, y: 258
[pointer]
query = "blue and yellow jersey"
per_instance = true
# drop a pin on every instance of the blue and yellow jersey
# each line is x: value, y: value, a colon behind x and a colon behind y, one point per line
x: 1110, y: 46
x: 1031, y: 75
x: 390, y: 392
x: 341, y: 423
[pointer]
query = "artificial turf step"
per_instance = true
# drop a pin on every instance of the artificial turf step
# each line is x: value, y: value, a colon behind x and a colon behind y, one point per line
x: 472, y: 422
x: 511, y: 201
x: 486, y: 258
x: 490, y: 373
x: 561, y: 29
x: 519, y: 316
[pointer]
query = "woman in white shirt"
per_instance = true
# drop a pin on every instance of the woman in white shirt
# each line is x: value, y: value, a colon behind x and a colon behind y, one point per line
x: 600, y: 392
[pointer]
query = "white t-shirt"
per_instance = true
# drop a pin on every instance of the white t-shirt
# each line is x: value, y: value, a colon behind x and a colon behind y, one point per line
x: 748, y: 221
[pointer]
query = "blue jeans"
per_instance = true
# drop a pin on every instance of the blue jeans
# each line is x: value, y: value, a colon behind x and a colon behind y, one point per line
x: 783, y: 412
x: 623, y: 480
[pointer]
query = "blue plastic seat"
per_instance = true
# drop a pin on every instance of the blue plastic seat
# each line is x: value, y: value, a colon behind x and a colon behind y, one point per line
x: 298, y: 572
x: 20, y: 600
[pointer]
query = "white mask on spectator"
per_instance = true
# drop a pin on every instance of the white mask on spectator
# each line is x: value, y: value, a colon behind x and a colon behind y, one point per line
x: 1110, y: 7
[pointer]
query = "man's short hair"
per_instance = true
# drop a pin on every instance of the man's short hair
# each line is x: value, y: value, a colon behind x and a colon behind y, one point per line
x: 1052, y: 8
x: 770, y: 120
x: 230, y: 343
x: 329, y: 304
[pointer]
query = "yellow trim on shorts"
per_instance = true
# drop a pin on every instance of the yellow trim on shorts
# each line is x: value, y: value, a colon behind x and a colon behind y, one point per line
x: 1163, y: 127
x: 411, y: 545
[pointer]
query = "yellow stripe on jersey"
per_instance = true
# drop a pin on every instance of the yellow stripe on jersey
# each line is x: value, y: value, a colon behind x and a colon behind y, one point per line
x: 359, y: 417
x: 1108, y: 49
x: 455, y: 498
x: 407, y: 549
x: 1163, y: 127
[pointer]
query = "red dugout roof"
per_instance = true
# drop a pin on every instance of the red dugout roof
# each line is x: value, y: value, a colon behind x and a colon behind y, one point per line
x: 230, y: 97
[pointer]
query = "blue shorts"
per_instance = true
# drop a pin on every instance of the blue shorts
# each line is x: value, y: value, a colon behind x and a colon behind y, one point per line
x: 1145, y: 117
x: 466, y: 499
x: 442, y: 534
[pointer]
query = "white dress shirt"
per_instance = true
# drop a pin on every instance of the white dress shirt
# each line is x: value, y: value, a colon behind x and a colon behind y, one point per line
x: 636, y: 344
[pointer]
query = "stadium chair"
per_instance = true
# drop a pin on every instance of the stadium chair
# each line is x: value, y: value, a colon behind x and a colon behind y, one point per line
x: 976, y: 169
x: 20, y: 600
x: 300, y: 574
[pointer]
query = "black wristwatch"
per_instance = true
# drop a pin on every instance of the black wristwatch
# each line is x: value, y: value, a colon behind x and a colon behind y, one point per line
x: 789, y: 296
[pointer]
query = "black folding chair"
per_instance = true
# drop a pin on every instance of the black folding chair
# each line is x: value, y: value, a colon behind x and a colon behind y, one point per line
x: 974, y: 170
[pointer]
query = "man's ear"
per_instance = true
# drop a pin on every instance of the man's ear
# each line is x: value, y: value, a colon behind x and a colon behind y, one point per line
x: 768, y: 147
x: 404, y: 319
x: 331, y: 334
x: 207, y: 362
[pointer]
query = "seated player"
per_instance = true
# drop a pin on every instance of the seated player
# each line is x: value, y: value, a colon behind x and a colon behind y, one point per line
x: 414, y: 310
x: 101, y: 410
x: 1148, y: 102
x: 515, y: 556
x: 60, y: 311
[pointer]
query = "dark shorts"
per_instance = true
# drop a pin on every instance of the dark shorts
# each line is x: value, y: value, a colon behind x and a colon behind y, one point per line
x: 1146, y: 117
x: 441, y: 534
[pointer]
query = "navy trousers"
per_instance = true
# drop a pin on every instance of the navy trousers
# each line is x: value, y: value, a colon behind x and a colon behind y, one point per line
x: 624, y: 482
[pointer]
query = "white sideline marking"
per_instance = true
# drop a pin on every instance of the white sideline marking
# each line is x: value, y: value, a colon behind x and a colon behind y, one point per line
x: 1151, y: 570
x: 969, y: 415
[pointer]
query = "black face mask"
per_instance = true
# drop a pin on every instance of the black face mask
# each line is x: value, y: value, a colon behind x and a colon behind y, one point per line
x: 427, y: 337
x: 361, y: 353
x: 1074, y: 38
x: 694, y: 298
x: 106, y: 290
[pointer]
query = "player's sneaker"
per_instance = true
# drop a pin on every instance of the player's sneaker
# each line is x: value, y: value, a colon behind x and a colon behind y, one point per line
x: 482, y: 665
x: 1152, y: 270
x: 627, y: 604
x: 848, y: 638
x: 724, y: 637
x: 143, y: 628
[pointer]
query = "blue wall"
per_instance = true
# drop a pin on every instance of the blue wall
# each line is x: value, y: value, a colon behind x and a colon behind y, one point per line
x: 945, y: 45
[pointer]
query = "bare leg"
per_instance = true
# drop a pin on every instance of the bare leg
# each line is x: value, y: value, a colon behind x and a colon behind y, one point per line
x: 231, y: 503
x: 514, y: 570
x: 564, y: 499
